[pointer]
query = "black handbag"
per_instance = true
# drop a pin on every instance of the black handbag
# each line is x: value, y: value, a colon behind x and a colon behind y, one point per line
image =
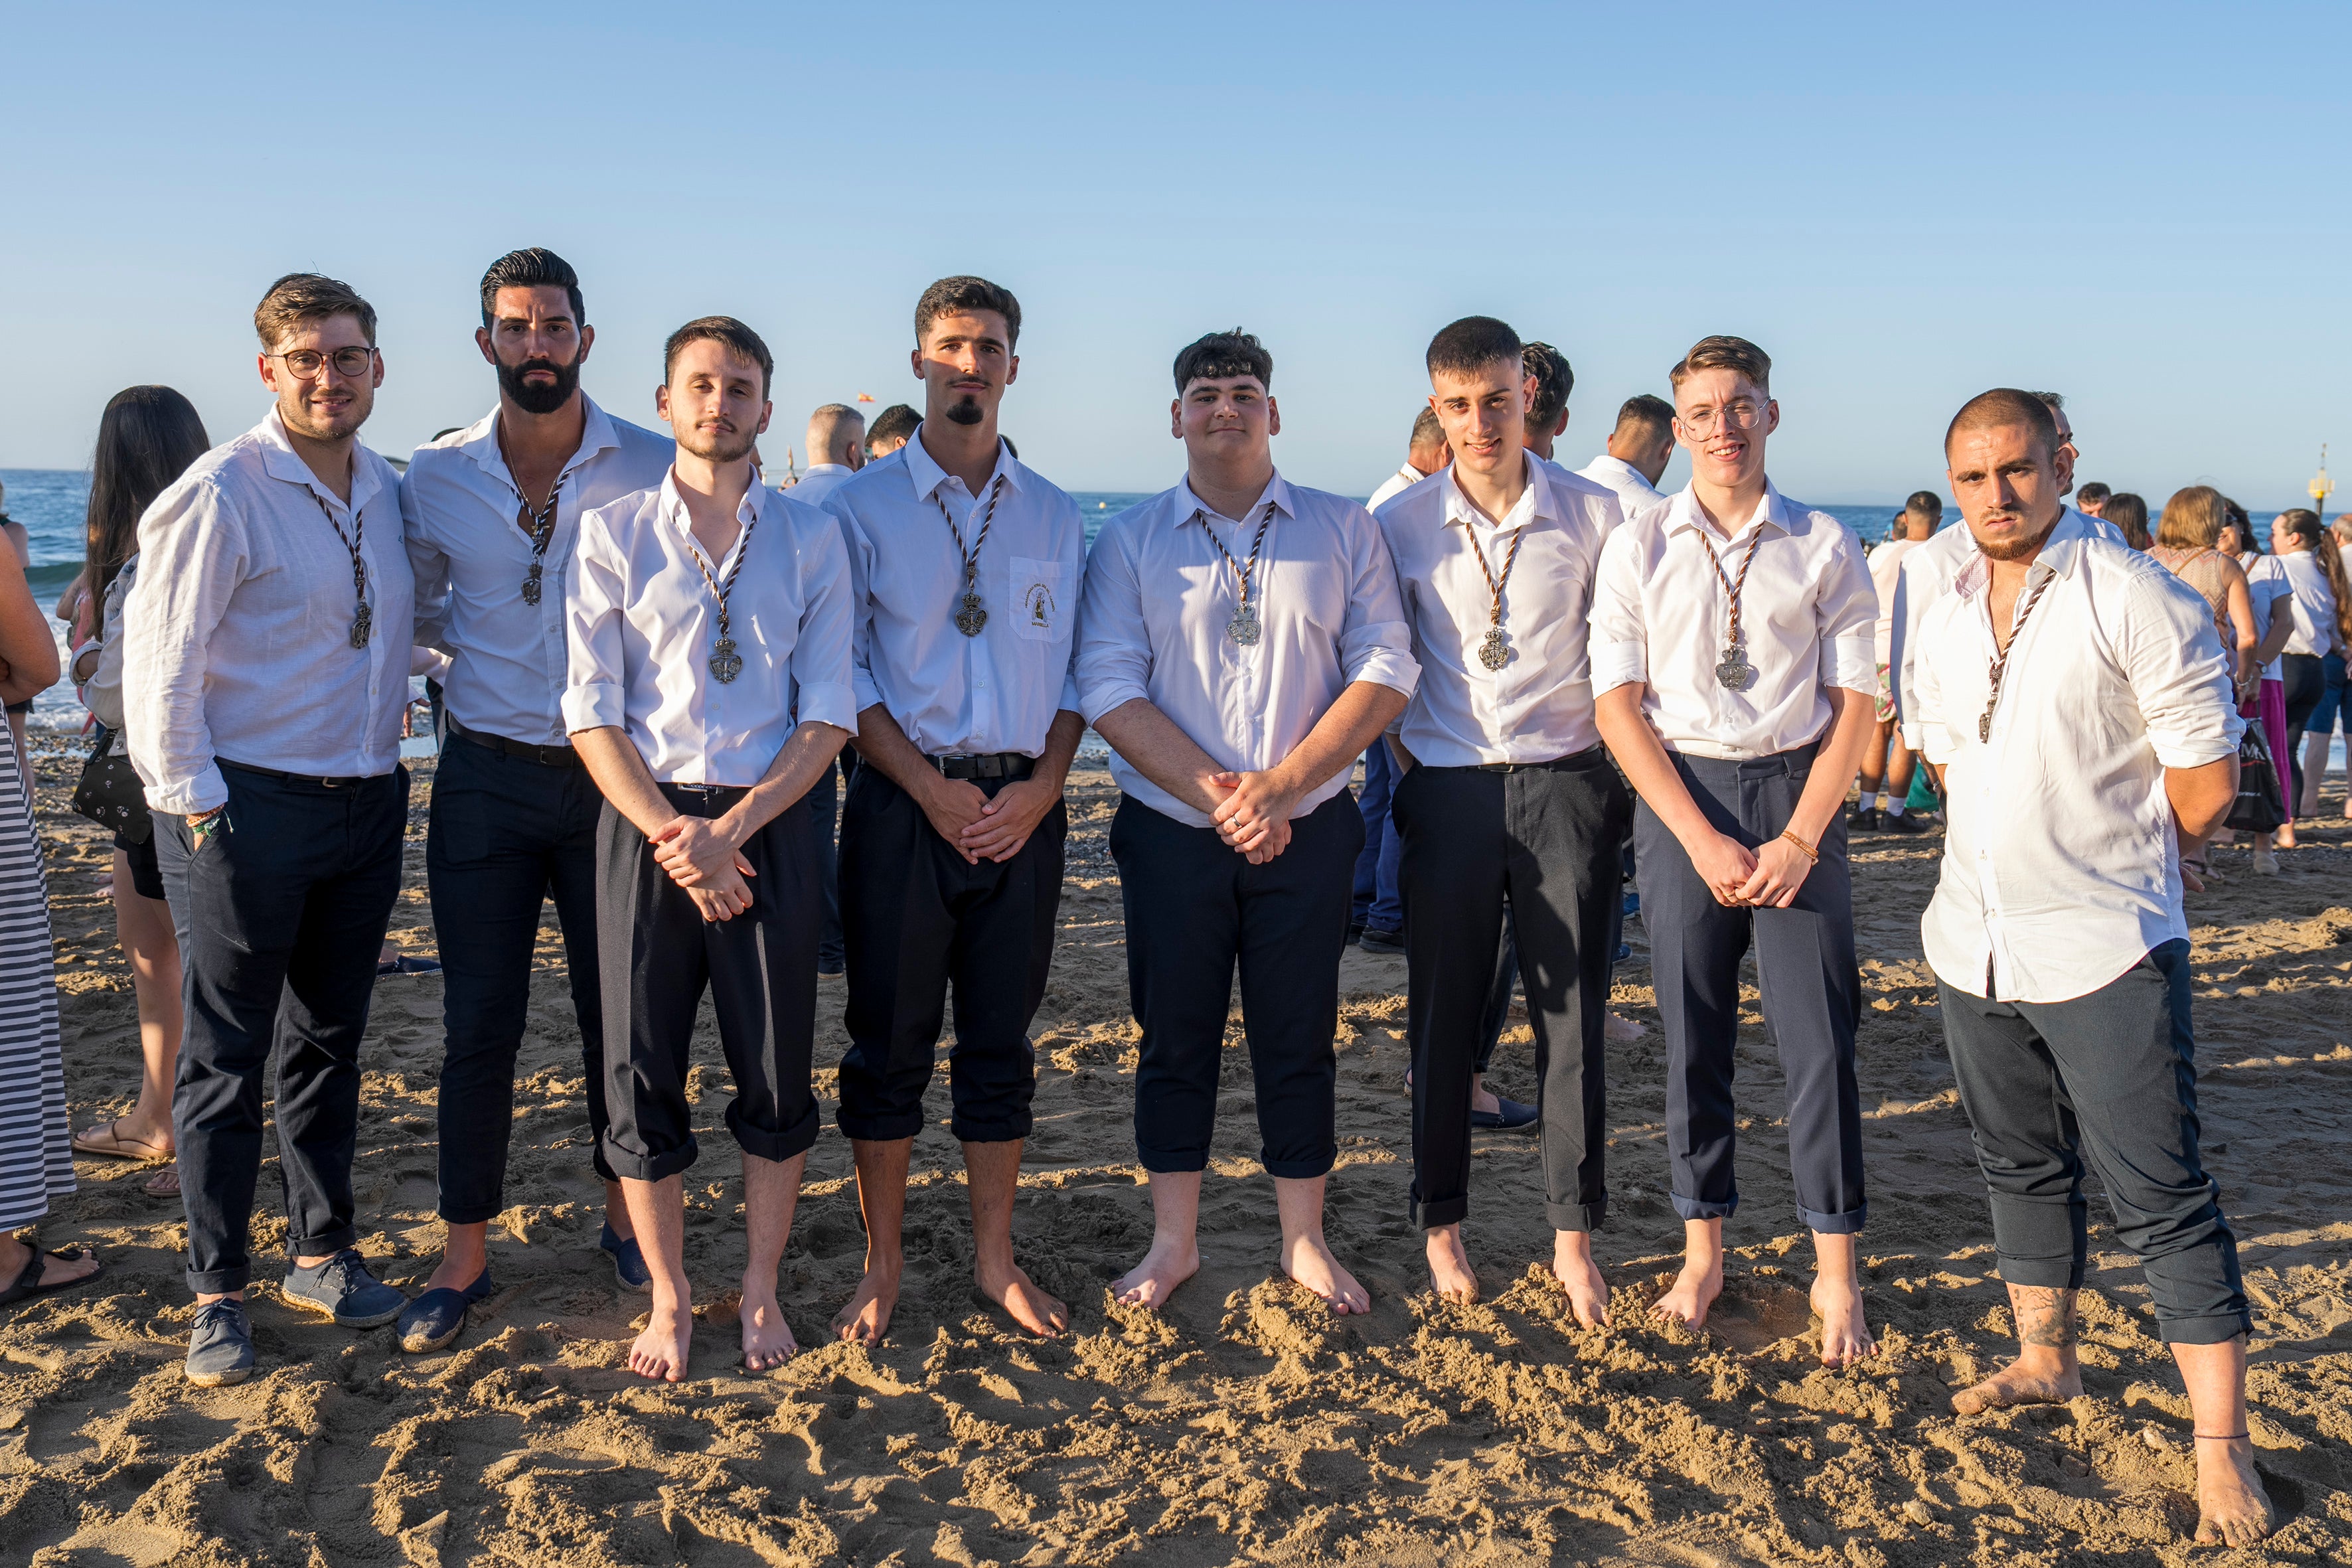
x: 2261, y: 806
x: 109, y: 793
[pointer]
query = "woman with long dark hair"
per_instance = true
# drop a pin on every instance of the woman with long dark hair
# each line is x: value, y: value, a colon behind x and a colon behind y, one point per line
x: 147, y: 438
x: 2266, y: 586
x: 2322, y: 625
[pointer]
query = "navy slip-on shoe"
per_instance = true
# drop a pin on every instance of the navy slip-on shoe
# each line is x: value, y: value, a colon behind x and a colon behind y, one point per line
x: 438, y: 1316
x: 628, y: 1260
x: 1376, y: 939
x: 342, y: 1287
x: 1511, y: 1118
x: 220, y: 1345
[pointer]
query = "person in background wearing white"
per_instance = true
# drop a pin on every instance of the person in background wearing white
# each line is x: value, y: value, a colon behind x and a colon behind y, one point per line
x: 2323, y: 626
x: 1731, y: 669
x: 837, y: 451
x: 2082, y: 708
x: 2267, y: 585
x: 1639, y: 449
x: 1424, y: 455
x: 1888, y: 761
x: 1241, y: 642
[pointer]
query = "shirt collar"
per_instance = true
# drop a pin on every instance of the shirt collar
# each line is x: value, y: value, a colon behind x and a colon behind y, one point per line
x: 1683, y: 512
x: 279, y: 460
x: 2059, y: 556
x: 815, y: 469
x: 1278, y: 490
x: 672, y: 511
x: 481, y: 441
x: 929, y: 476
x: 1534, y: 502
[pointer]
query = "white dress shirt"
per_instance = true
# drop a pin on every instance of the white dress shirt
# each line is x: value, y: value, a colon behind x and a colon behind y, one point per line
x: 1927, y: 574
x: 471, y: 558
x: 1635, y: 493
x: 2266, y: 584
x: 2060, y: 867
x: 955, y: 695
x: 640, y: 621
x: 1661, y: 617
x: 1538, y: 706
x: 1886, y: 577
x: 2315, y: 603
x: 1395, y: 485
x: 238, y: 636
x: 1158, y: 596
x: 819, y: 480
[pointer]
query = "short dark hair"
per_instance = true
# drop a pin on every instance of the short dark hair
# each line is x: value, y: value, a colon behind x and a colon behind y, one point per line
x: 1927, y: 503
x: 1554, y: 382
x: 895, y: 423
x: 1471, y: 344
x: 2091, y: 492
x: 740, y: 339
x: 300, y: 297
x: 2005, y: 405
x: 1645, y: 411
x: 2054, y: 401
x: 1212, y: 356
x: 1427, y: 430
x: 1725, y: 353
x: 963, y: 294
x: 534, y: 266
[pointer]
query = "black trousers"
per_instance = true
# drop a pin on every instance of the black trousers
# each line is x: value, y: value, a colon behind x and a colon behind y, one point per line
x: 1194, y: 909
x: 279, y: 916
x: 2111, y: 1076
x: 916, y: 918
x: 1542, y: 842
x: 656, y: 956
x: 1812, y: 994
x: 824, y: 806
x: 2304, y: 683
x: 506, y: 833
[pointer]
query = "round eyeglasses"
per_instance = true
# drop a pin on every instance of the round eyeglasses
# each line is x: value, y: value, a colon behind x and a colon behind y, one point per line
x: 350, y: 363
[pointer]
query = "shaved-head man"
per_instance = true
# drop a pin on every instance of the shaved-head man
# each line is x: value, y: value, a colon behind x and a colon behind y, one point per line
x: 836, y: 449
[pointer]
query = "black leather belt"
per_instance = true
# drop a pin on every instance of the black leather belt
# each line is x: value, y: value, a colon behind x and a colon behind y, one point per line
x: 1574, y: 759
x: 546, y: 756
x: 990, y: 765
x: 297, y: 778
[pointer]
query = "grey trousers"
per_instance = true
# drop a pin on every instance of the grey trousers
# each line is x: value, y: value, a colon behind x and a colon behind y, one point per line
x: 2111, y: 1076
x: 1812, y: 994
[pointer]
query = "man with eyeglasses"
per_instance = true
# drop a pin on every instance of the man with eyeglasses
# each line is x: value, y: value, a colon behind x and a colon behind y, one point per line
x: 493, y: 511
x: 265, y: 673
x: 1731, y: 651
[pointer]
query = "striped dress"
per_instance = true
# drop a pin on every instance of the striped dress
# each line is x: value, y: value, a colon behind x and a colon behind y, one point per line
x: 36, y: 1141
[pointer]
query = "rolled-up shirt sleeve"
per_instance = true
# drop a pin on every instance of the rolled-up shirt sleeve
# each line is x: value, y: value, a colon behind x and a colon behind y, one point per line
x: 1618, y: 645
x: 2178, y: 676
x: 596, y: 682
x: 822, y: 679
x: 1113, y: 666
x: 1375, y: 639
x: 428, y: 563
x: 1848, y: 618
x: 193, y: 555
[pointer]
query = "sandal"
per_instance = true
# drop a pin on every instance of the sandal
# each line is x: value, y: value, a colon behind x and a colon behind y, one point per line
x: 108, y: 1142
x: 26, y: 1283
x: 163, y: 1184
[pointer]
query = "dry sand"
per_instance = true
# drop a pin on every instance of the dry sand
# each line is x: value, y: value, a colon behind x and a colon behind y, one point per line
x: 1245, y: 1425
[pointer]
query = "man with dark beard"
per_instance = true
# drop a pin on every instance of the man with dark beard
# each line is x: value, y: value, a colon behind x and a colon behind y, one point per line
x: 492, y: 512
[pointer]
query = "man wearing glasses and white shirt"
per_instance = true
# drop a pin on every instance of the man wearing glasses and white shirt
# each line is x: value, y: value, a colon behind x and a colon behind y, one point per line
x: 266, y: 671
x: 1241, y: 643
x: 964, y: 567
x: 492, y: 513
x: 1735, y: 683
x: 708, y: 628
x: 1506, y: 798
x: 2056, y: 933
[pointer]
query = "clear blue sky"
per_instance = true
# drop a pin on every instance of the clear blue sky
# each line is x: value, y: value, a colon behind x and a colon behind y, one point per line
x: 2142, y: 207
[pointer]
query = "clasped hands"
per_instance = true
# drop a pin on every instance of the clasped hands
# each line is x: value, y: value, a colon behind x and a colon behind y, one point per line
x: 704, y: 856
x: 984, y: 828
x: 1765, y: 877
x: 1254, y: 817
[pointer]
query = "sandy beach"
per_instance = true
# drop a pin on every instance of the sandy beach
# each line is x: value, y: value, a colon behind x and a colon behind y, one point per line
x: 1245, y: 1425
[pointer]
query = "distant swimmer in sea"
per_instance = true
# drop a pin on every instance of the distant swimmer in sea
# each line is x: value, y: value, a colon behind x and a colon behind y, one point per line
x: 1241, y: 643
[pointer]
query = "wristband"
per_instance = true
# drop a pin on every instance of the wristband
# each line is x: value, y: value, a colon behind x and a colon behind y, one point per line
x: 1811, y: 854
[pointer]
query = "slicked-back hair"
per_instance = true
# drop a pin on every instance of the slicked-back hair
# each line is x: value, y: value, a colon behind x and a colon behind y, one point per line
x: 1214, y: 356
x: 300, y: 297
x: 1471, y: 345
x: 1554, y: 381
x: 961, y: 295
x: 2005, y: 405
x: 2192, y: 519
x: 2091, y: 494
x: 534, y: 266
x: 895, y: 423
x: 1725, y: 353
x: 740, y: 339
x: 1924, y: 503
x: 2128, y: 512
x: 1427, y: 430
x: 1645, y: 412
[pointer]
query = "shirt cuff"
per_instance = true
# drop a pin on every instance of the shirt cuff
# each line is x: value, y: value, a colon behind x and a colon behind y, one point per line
x: 1616, y: 664
x: 1070, y: 695
x: 2197, y: 752
x: 1932, y: 741
x: 863, y: 687
x: 595, y: 705
x: 830, y: 702
x: 1391, y: 668
x: 191, y: 796
x: 1109, y: 697
x: 1853, y: 664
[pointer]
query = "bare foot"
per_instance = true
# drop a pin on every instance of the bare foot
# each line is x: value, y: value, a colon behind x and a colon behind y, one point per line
x: 660, y: 1352
x: 2017, y: 1384
x: 1309, y: 1260
x: 867, y: 1317
x: 1027, y: 1305
x: 1450, y: 1274
x: 1845, y: 1337
x: 1621, y: 1031
x: 2232, y: 1507
x: 1151, y: 1283
x: 1579, y: 1276
x: 1692, y: 1292
x: 768, y: 1340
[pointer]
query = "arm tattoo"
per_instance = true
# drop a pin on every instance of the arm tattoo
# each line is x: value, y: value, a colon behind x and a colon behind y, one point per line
x: 2046, y: 1316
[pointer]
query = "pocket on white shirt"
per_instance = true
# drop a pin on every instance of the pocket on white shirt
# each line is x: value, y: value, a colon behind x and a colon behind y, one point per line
x: 1044, y: 598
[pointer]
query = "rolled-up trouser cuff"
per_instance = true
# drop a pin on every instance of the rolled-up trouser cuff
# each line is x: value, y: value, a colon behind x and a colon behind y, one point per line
x: 2217, y: 1329
x: 2040, y: 1273
x: 1699, y: 1208
x: 219, y: 1281
x: 780, y: 1145
x: 1578, y: 1216
x: 1847, y: 1224
x: 1305, y: 1170
x: 1446, y: 1212
x: 658, y: 1167
x: 1160, y: 1162
x: 883, y: 1128
x: 1005, y: 1129
x: 325, y: 1245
